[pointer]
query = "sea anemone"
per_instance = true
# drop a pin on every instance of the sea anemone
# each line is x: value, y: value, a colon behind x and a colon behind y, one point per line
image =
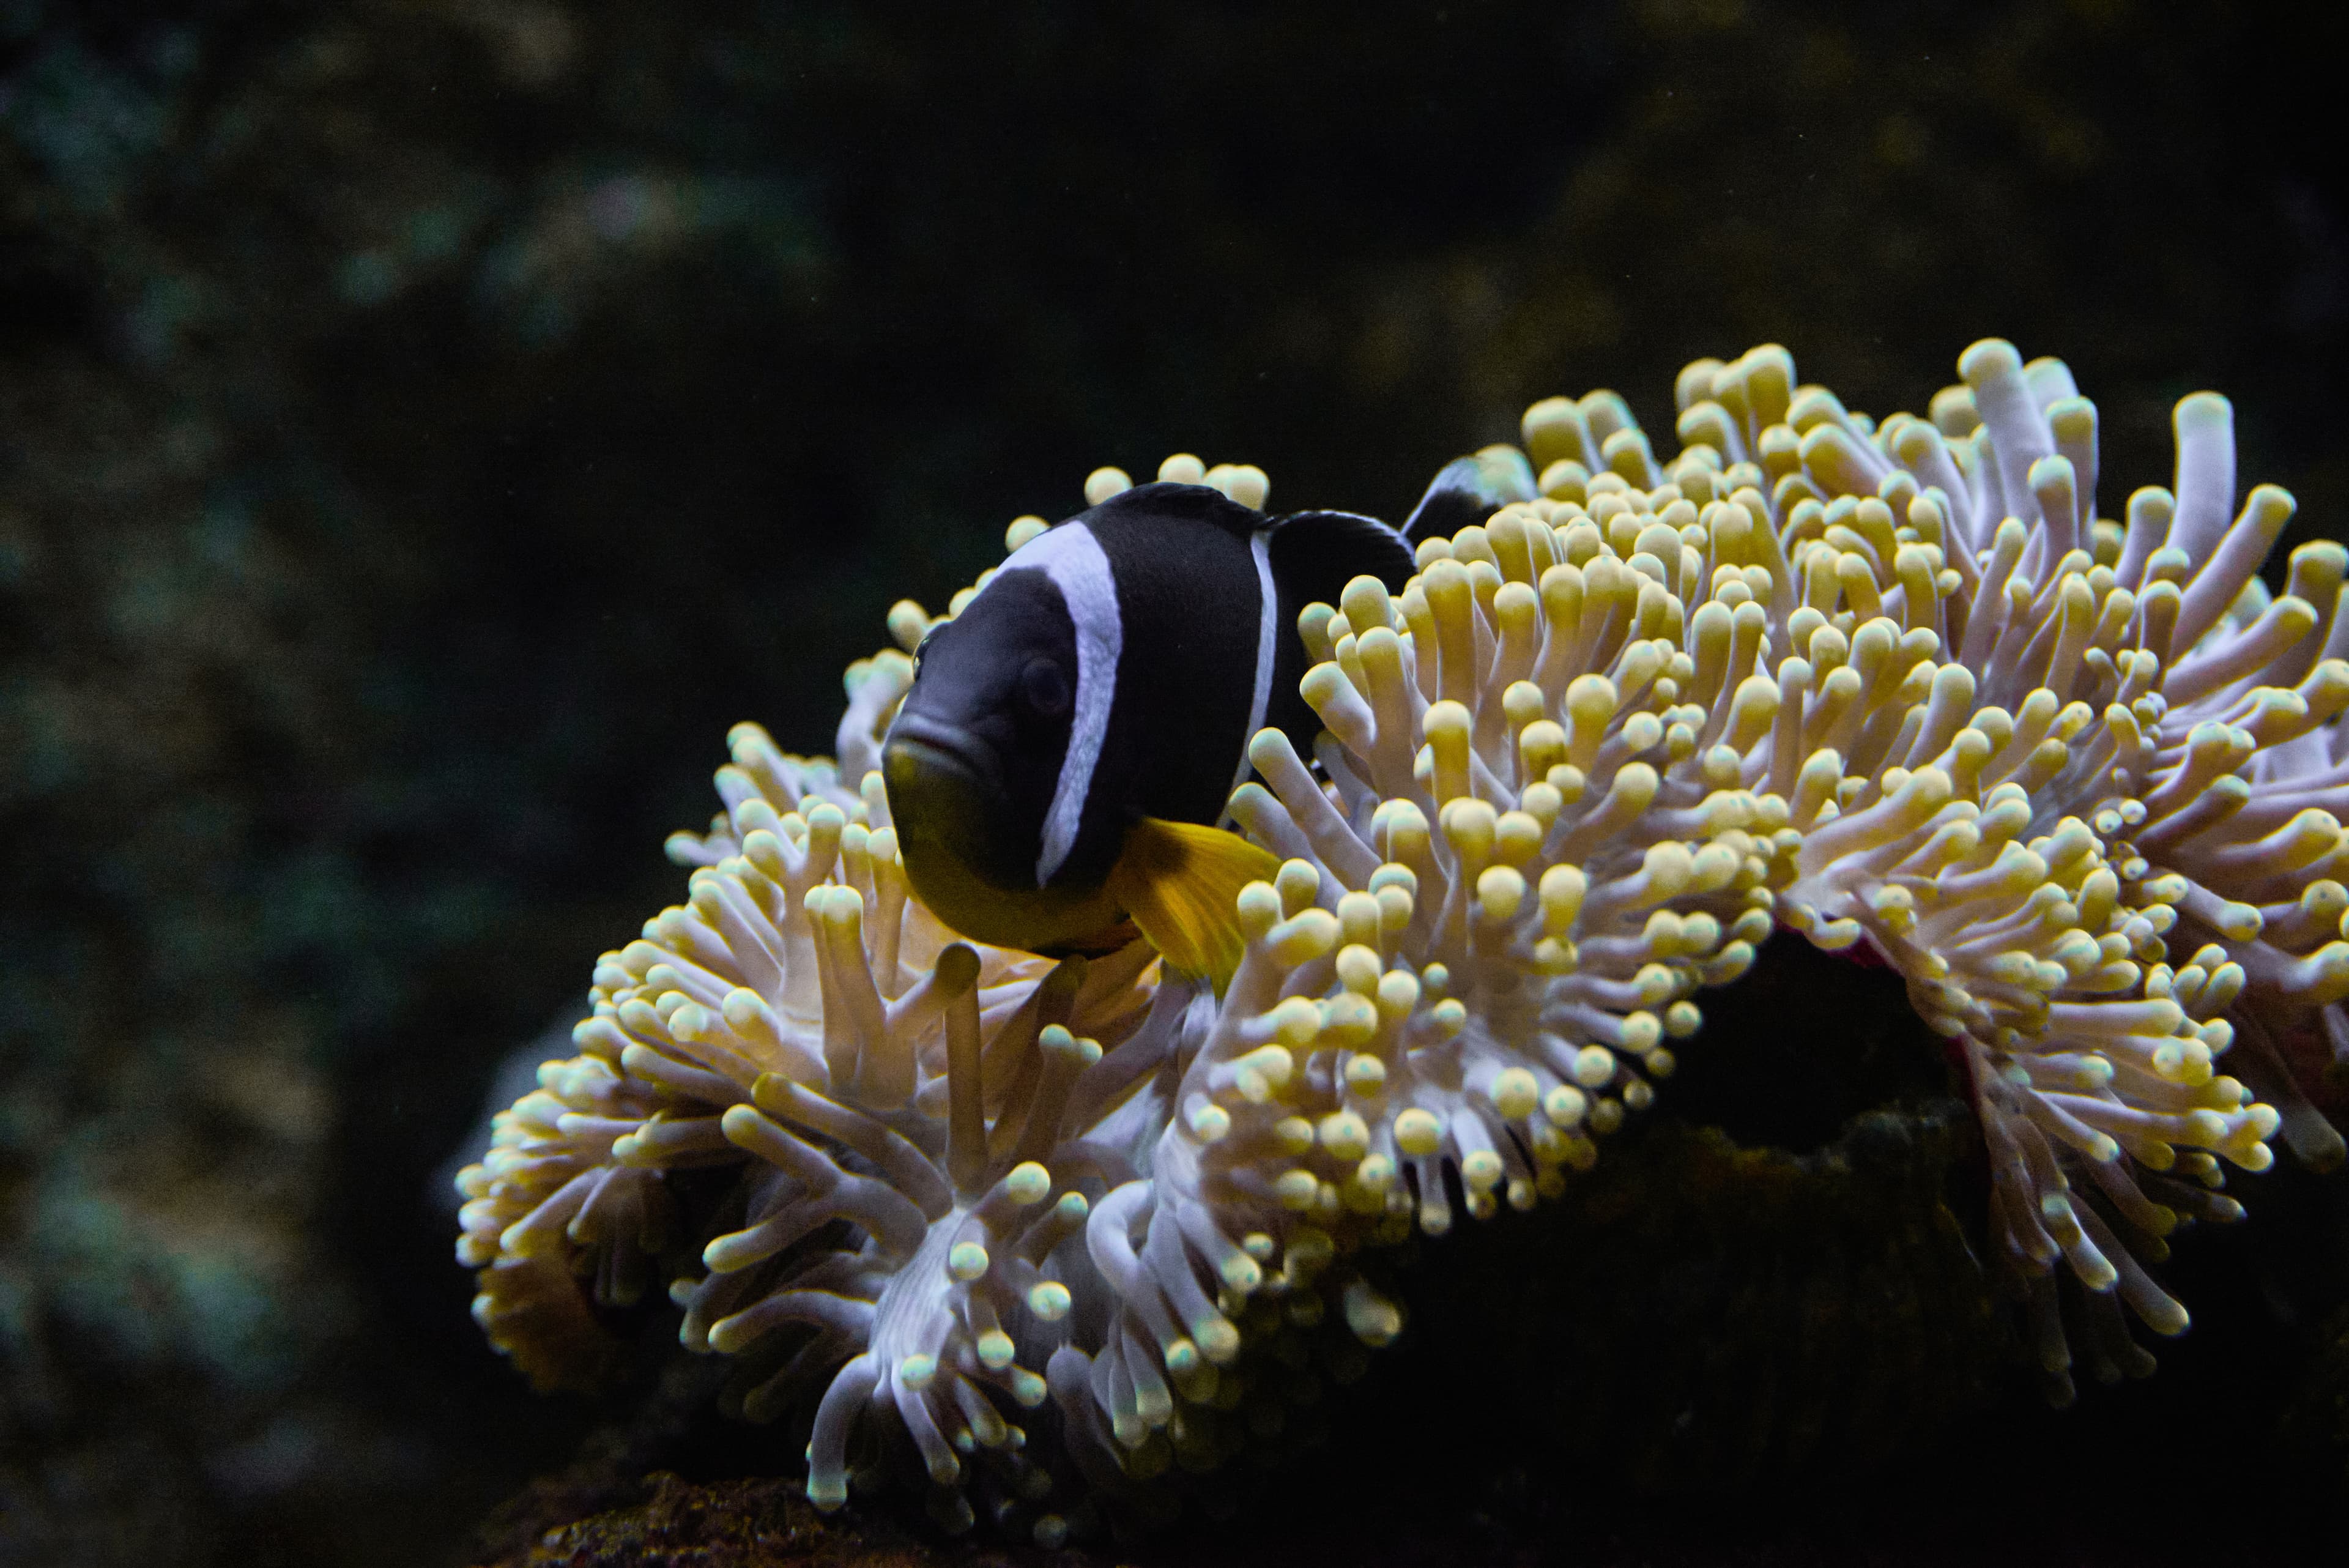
x: 1894, y: 687
x: 899, y: 1112
x: 2044, y: 834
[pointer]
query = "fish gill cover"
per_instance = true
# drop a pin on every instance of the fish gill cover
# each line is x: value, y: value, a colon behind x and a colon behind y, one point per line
x: 1059, y: 1242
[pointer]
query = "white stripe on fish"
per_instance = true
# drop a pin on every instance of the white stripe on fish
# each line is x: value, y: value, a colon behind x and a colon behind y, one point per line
x: 1266, y: 645
x: 1073, y: 559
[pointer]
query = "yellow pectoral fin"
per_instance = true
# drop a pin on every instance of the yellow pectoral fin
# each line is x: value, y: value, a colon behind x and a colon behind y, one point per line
x: 1181, y: 884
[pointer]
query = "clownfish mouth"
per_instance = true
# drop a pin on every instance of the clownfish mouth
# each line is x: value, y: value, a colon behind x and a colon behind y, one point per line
x: 947, y: 797
x: 947, y: 801
x: 926, y: 748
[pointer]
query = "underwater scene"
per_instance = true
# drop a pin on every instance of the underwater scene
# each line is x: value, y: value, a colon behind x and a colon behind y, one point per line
x: 1386, y: 785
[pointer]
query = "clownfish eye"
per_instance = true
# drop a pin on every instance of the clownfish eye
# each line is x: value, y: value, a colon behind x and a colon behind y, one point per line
x: 1044, y: 687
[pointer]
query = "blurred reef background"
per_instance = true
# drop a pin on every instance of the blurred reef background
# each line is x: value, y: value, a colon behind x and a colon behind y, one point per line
x: 426, y: 425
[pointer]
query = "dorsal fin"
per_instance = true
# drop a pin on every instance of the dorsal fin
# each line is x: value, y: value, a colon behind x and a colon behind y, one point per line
x: 1164, y: 499
x: 1469, y: 490
x: 1312, y: 556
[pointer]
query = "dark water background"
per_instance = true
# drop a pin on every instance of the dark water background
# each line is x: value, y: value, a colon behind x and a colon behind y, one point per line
x: 425, y: 426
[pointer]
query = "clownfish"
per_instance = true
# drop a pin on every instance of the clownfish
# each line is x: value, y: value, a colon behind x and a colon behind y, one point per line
x: 1469, y: 490
x: 1057, y: 772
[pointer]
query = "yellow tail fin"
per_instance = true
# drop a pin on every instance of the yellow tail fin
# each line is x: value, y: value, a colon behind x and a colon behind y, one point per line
x: 1181, y: 884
